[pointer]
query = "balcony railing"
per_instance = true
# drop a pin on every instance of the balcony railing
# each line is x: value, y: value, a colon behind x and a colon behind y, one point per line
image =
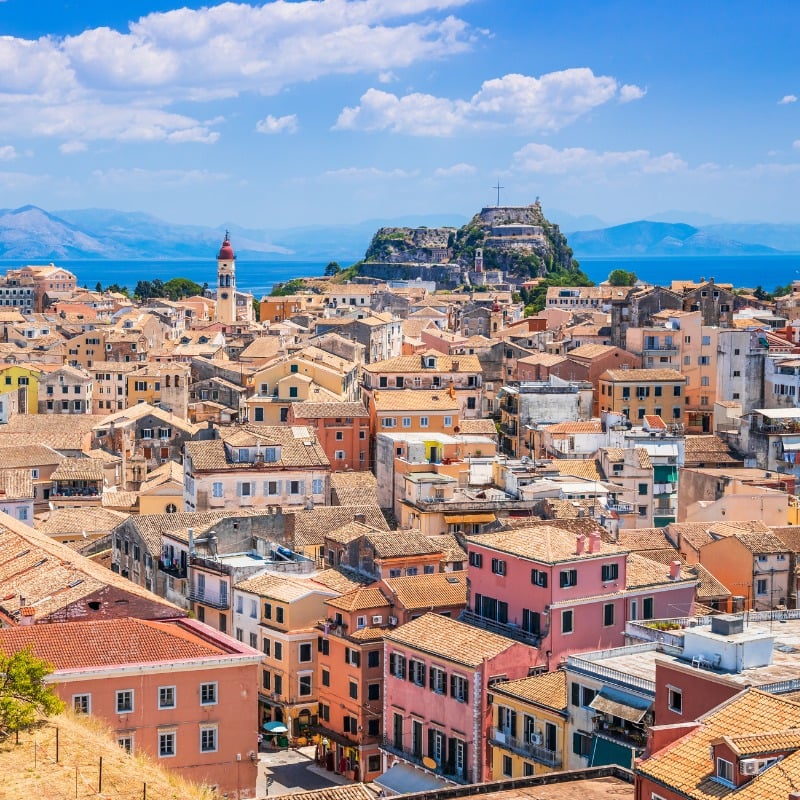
x: 652, y: 347
x: 220, y: 602
x: 502, y: 628
x: 173, y: 569
x: 634, y: 738
x: 210, y: 564
x: 524, y: 748
x: 446, y: 769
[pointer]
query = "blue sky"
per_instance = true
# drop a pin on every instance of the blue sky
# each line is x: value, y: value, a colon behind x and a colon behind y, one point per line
x: 282, y: 114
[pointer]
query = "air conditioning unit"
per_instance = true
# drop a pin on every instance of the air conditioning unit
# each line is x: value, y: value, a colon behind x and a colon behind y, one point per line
x: 536, y: 738
x: 749, y: 766
x: 393, y: 620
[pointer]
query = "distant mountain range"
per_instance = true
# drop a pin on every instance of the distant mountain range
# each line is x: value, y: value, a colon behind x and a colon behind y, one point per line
x: 30, y: 233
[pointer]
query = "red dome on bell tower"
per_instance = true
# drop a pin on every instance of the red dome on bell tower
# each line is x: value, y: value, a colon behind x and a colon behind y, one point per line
x: 226, y: 251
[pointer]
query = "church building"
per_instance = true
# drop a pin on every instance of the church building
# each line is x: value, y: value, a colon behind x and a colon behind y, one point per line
x: 233, y: 307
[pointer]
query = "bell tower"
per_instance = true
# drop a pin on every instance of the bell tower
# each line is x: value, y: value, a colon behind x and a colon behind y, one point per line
x: 226, y: 283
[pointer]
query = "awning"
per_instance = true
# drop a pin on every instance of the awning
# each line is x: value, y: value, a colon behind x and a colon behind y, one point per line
x: 454, y: 519
x: 405, y: 779
x: 621, y: 704
x: 605, y: 752
x: 791, y: 446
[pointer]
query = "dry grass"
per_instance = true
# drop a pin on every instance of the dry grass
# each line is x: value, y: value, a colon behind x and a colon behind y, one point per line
x: 29, y: 769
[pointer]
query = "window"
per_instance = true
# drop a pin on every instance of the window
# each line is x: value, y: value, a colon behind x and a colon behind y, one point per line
x: 438, y: 680
x: 353, y: 690
x: 374, y: 658
x: 507, y: 770
x: 267, y: 611
x: 361, y: 622
x: 253, y: 640
x: 166, y: 743
x: 253, y: 608
x: 82, y: 703
x: 126, y: 743
x: 448, y: 421
x: 475, y: 559
x: 304, y: 685
x: 761, y: 586
x: 374, y: 729
x: 279, y: 684
x: 397, y: 665
x: 566, y: 621
x: 208, y: 739
x: 272, y: 487
x: 166, y: 697
x: 278, y: 613
x: 725, y: 770
x: 278, y: 651
x: 305, y: 652
x: 352, y: 657
x: 339, y: 436
x: 675, y: 700
x: 416, y: 672
x: 208, y: 694
x: 459, y: 688
x: 608, y: 614
x: 374, y: 691
x: 647, y: 608
x: 642, y: 488
x: 498, y: 566
x: 569, y: 577
x: 406, y: 422
x: 581, y: 744
x: 676, y: 391
x: 124, y: 701
x: 323, y: 646
x: 610, y: 572
x: 325, y: 677
x: 423, y: 422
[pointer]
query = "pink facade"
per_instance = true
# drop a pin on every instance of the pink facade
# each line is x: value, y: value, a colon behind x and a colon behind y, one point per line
x: 562, y: 593
x: 180, y: 692
x: 436, y: 711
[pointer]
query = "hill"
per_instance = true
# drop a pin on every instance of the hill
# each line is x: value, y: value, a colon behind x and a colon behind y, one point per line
x: 647, y: 238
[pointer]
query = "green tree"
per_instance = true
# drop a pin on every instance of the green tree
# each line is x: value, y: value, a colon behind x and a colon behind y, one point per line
x: 176, y: 288
x: 98, y: 287
x: 143, y: 290
x: 333, y: 268
x: 290, y: 287
x: 621, y: 277
x: 24, y: 695
x: 117, y: 289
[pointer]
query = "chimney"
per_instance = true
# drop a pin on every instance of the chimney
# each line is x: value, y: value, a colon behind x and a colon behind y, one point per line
x: 594, y: 542
x: 675, y: 570
x: 27, y: 613
x: 191, y: 541
x: 579, y: 542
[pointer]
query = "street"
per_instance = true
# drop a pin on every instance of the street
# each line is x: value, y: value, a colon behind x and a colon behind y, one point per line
x: 292, y: 771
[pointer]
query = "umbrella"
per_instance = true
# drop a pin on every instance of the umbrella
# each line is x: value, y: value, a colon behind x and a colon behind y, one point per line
x: 275, y: 727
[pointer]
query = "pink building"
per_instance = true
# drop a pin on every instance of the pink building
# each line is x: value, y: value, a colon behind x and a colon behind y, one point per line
x: 566, y: 593
x: 178, y: 691
x: 437, y: 719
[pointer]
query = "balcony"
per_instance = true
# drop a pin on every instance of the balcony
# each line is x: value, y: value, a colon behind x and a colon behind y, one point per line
x: 172, y: 568
x: 220, y: 602
x: 508, y: 630
x: 616, y: 730
x: 655, y: 347
x: 526, y: 749
x: 446, y: 770
x: 509, y: 428
x: 209, y: 564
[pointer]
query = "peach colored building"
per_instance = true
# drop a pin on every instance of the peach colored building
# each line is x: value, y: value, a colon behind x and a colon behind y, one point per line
x: 350, y: 646
x: 342, y: 429
x: 177, y: 690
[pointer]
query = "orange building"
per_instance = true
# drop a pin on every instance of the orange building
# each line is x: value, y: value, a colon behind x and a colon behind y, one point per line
x: 342, y: 430
x: 414, y: 411
x: 178, y: 691
x: 351, y: 680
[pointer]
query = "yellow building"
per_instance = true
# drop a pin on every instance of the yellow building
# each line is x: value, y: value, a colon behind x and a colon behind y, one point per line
x: 162, y: 490
x: 529, y: 725
x: 638, y: 393
x: 415, y: 411
x: 26, y: 381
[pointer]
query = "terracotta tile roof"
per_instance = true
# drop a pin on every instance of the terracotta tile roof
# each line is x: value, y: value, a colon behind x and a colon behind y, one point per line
x: 790, y: 536
x: 354, y: 488
x: 368, y: 634
x: 415, y: 400
x: 359, y: 599
x: 281, y: 587
x: 570, y: 509
x: 485, y: 427
x: 449, y: 639
x: 416, y: 363
x: 708, y: 450
x: 759, y: 542
x: 353, y: 791
x: 584, y: 525
x: 28, y: 455
x: 590, y: 351
x: 654, y: 422
x: 74, y: 469
x: 75, y: 520
x: 130, y: 415
x: 578, y: 467
x: 587, y: 426
x: 756, y: 744
x: 49, y: 429
x: 311, y: 526
x: 172, y: 471
x: 336, y: 580
x: 642, y: 375
x: 634, y: 539
x: 709, y: 588
x: 685, y: 765
x: 339, y: 409
x: 545, y: 544
x: 399, y: 544
x: 429, y: 591
x: 451, y: 547
x: 349, y: 532
x: 641, y: 572
x: 120, y: 500
x: 107, y: 643
x: 548, y: 690
x: 543, y: 359
x: 16, y: 484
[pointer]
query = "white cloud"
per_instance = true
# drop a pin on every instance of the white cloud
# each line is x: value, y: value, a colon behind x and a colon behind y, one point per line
x: 796, y: 144
x: 7, y: 152
x: 455, y: 171
x: 270, y: 124
x: 74, y: 146
x: 138, y: 178
x: 387, y: 77
x: 787, y: 99
x: 542, y: 158
x: 358, y: 173
x: 519, y: 102
x: 128, y: 80
x: 630, y: 92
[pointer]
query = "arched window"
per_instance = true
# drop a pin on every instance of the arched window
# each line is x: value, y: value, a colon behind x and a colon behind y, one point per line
x: 171, y: 508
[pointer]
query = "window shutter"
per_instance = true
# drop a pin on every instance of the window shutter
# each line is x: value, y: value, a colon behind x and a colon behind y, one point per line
x: 430, y: 678
x: 347, y: 655
x: 576, y: 744
x: 239, y: 488
x: 466, y: 690
x: 279, y: 487
x: 319, y: 644
x: 452, y: 686
x: 513, y: 723
x: 478, y: 603
x: 252, y: 489
x: 451, y: 755
x: 573, y: 575
x: 431, y: 748
x: 356, y: 658
x: 544, y: 580
x: 502, y: 612
x: 576, y: 694
x: 302, y: 487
